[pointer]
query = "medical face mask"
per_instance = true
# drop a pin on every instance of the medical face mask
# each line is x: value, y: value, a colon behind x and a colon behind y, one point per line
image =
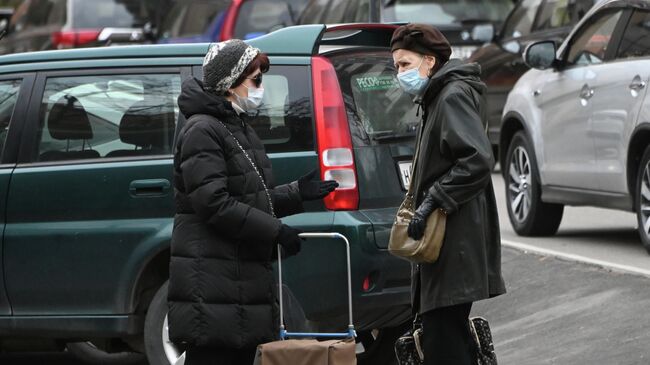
x: 411, y: 81
x: 253, y: 101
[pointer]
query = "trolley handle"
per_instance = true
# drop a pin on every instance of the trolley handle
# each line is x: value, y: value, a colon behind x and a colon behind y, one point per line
x: 351, y: 332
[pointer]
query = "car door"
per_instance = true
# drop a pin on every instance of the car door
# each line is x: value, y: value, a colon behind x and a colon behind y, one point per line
x: 501, y: 62
x: 91, y: 192
x: 618, y: 97
x: 14, y: 95
x: 566, y: 102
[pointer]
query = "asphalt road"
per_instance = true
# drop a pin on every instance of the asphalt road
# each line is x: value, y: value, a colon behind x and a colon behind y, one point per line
x: 557, y: 310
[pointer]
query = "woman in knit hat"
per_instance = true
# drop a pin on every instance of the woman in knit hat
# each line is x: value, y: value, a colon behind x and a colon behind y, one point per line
x: 452, y: 174
x: 222, y: 301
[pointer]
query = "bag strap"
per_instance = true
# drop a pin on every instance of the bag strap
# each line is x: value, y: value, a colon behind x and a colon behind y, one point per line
x: 257, y: 171
x: 248, y: 157
x: 416, y: 156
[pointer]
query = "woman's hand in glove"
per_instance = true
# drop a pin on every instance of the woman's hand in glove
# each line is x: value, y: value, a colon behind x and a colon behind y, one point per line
x: 419, y: 222
x: 288, y: 238
x: 312, y: 189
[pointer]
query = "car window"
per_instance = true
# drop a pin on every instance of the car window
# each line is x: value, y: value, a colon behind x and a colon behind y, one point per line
x: 284, y: 121
x: 112, y: 116
x: 40, y: 12
x: 561, y: 13
x: 97, y: 14
x: 378, y: 110
x: 190, y: 18
x: 636, y: 39
x: 521, y: 19
x: 314, y: 12
x: 590, y: 44
x: 8, y: 97
x: 259, y: 17
x: 337, y: 10
x: 442, y: 12
x: 360, y: 13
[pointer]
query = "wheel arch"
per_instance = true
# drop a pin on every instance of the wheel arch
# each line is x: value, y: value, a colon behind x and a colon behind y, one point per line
x: 638, y: 143
x: 512, y: 123
x: 152, y: 275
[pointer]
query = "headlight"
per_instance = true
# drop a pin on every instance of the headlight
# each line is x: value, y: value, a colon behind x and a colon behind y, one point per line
x: 462, y: 52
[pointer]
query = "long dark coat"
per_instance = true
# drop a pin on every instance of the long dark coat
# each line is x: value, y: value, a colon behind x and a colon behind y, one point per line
x: 454, y: 166
x: 221, y: 286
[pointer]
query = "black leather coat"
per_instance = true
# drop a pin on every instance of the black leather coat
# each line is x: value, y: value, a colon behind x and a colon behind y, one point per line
x: 455, y: 167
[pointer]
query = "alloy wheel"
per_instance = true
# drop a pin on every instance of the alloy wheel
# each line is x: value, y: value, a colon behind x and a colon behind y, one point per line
x: 644, y: 205
x: 519, y: 184
x: 171, y: 351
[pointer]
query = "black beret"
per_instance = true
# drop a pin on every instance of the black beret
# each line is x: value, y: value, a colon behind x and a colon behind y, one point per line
x: 423, y: 39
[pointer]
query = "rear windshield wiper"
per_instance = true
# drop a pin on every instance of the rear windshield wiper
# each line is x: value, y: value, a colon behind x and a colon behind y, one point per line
x: 392, y: 136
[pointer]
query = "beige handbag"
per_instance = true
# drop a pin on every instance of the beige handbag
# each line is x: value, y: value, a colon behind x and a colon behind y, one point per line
x: 427, y: 249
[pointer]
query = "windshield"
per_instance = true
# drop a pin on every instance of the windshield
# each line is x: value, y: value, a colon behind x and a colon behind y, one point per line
x: 96, y: 14
x: 190, y: 18
x: 258, y: 17
x: 441, y: 12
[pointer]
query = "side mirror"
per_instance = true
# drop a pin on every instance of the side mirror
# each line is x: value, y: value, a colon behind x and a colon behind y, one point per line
x: 5, y: 18
x: 483, y: 33
x: 513, y: 47
x: 111, y: 36
x: 540, y: 55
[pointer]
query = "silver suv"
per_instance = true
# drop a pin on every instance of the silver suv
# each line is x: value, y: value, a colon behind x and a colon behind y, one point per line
x: 576, y: 128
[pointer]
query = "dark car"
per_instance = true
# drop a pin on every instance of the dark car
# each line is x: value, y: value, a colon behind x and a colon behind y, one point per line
x: 501, y: 61
x: 39, y: 25
x: 86, y: 217
x: 456, y: 19
x: 191, y: 21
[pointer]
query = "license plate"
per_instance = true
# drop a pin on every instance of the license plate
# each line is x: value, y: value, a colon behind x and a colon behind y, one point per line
x: 405, y: 173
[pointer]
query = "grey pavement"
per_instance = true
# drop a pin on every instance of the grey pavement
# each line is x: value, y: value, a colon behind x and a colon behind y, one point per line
x: 568, y: 313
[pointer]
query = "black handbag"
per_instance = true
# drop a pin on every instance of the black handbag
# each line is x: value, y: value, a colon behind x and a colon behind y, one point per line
x: 408, y: 349
x: 480, y: 330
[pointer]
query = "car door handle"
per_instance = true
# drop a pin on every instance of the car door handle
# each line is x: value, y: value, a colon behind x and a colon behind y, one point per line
x: 637, y: 84
x: 586, y: 93
x: 149, y: 188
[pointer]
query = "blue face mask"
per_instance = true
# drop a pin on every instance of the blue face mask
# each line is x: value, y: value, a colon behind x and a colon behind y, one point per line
x: 411, y: 81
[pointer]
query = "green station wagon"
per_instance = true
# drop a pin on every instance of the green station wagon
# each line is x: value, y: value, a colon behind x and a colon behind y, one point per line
x: 86, y: 207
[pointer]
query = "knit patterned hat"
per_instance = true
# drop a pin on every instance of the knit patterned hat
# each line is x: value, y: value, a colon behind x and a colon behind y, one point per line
x: 224, y: 63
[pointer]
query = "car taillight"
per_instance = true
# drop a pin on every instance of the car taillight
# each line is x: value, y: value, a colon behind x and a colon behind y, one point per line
x: 74, y: 38
x: 333, y: 136
x: 228, y: 30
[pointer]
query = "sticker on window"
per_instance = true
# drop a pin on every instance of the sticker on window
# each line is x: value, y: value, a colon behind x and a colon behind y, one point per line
x: 373, y: 83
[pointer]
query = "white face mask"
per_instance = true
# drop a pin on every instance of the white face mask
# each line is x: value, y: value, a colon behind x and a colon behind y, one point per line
x: 253, y: 101
x: 411, y: 81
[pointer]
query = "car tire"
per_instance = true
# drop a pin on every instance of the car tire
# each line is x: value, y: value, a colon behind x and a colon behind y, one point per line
x: 89, y: 353
x: 160, y: 350
x: 379, y: 345
x: 643, y: 199
x: 528, y: 214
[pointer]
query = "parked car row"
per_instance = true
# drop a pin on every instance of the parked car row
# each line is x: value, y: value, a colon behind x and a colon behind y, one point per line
x: 88, y: 134
x: 576, y: 128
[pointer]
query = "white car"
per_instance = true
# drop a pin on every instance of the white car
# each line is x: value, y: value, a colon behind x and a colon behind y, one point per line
x: 576, y: 128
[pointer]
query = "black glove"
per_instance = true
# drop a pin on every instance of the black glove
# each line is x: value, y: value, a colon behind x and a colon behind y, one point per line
x: 419, y: 222
x: 312, y: 189
x: 289, y: 240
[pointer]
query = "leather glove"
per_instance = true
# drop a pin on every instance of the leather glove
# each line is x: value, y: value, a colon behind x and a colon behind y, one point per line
x: 311, y: 188
x: 419, y: 222
x: 289, y: 240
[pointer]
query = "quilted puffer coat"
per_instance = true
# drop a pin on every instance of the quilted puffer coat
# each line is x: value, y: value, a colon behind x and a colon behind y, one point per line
x: 222, y: 288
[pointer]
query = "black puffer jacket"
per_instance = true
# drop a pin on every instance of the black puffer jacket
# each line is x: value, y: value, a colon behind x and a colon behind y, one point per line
x: 221, y: 286
x: 454, y: 166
